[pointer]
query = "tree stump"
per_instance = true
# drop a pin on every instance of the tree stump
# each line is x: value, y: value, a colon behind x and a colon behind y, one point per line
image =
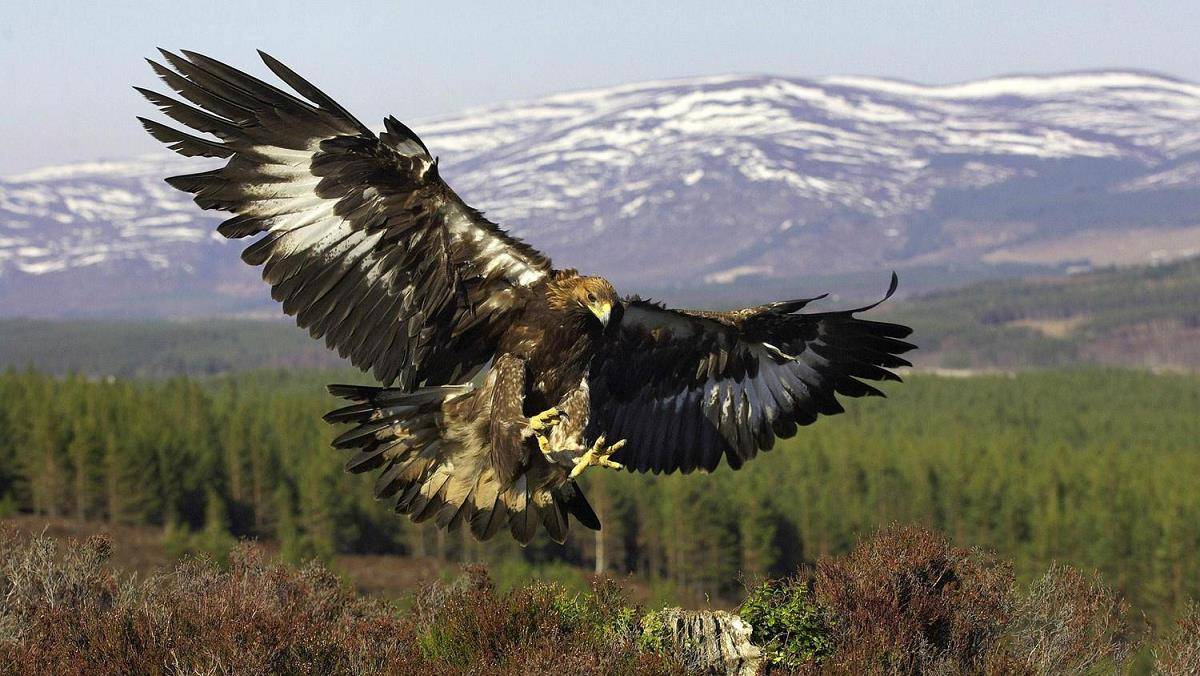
x: 712, y: 642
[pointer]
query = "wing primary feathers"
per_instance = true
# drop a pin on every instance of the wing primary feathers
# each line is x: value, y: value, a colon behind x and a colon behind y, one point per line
x: 245, y: 81
x: 400, y: 130
x: 200, y: 96
x: 895, y: 283
x: 308, y: 90
x: 310, y: 176
x: 185, y: 144
x: 210, y: 82
x: 193, y: 117
x: 758, y: 374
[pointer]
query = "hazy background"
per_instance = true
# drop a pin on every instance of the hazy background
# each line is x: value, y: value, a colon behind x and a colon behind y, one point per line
x: 67, y: 66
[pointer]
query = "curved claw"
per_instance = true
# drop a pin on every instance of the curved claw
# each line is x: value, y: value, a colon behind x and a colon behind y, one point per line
x: 598, y: 456
x: 541, y: 426
x: 543, y: 421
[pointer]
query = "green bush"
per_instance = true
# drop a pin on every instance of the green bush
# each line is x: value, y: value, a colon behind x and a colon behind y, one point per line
x: 538, y: 628
x: 787, y: 625
x: 213, y: 542
x: 653, y: 632
x: 513, y: 572
x: 176, y: 541
x: 8, y: 506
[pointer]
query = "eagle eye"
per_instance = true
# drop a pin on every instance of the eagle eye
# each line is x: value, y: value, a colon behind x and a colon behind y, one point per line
x: 591, y: 297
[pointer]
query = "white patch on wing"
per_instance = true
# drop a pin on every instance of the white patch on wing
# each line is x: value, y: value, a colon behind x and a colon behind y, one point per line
x: 778, y: 352
x: 495, y: 250
x: 766, y: 401
x: 529, y: 277
x: 713, y: 393
x: 286, y: 156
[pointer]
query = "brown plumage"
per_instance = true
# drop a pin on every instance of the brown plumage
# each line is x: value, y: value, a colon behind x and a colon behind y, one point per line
x: 362, y: 241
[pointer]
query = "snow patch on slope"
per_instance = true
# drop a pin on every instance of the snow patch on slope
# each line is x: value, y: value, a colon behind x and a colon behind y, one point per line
x: 698, y: 163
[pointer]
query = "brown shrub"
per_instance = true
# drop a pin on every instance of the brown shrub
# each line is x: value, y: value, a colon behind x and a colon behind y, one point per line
x: 535, y: 629
x: 67, y: 612
x: 1068, y: 622
x: 906, y: 601
x: 1179, y: 652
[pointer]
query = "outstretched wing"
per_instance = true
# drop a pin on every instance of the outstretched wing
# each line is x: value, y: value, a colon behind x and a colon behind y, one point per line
x: 685, y: 388
x: 362, y: 240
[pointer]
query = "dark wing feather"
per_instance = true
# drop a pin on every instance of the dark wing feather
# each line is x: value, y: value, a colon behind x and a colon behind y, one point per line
x: 685, y: 388
x: 364, y: 243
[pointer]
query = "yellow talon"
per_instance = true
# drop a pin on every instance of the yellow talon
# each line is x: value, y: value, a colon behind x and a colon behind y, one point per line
x: 543, y: 421
x: 542, y: 424
x: 598, y: 456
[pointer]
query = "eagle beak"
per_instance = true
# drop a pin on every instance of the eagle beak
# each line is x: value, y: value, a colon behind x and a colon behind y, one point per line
x: 602, y: 312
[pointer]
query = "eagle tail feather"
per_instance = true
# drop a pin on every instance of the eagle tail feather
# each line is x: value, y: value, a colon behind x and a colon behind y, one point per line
x: 554, y: 518
x: 434, y: 475
x: 400, y: 431
x: 574, y: 502
x: 522, y: 512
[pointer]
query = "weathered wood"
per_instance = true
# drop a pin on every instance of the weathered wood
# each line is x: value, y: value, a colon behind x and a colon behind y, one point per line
x: 711, y: 642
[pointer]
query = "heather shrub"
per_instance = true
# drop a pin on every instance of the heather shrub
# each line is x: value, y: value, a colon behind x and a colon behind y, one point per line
x: 37, y: 582
x: 540, y: 628
x: 906, y: 601
x: 1069, y: 622
x: 63, y: 610
x: 789, y: 627
x: 67, y: 612
x: 1179, y: 652
x: 903, y: 602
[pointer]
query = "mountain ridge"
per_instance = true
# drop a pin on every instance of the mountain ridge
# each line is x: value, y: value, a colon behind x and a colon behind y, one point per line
x: 746, y: 180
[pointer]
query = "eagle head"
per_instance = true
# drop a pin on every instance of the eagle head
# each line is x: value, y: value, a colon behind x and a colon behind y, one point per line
x: 597, y: 296
x: 587, y: 296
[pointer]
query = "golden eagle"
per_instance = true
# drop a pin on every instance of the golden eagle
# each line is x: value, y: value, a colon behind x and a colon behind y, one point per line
x: 367, y: 247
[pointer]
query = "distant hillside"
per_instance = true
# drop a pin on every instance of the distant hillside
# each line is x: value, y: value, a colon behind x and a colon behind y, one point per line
x: 1143, y: 317
x: 1146, y: 317
x: 158, y: 348
x: 742, y: 182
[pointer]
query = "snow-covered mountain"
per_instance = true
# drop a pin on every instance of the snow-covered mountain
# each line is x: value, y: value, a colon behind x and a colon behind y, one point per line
x: 721, y: 180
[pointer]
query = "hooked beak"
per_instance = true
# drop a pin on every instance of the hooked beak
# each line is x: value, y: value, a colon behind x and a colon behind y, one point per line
x: 602, y: 312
